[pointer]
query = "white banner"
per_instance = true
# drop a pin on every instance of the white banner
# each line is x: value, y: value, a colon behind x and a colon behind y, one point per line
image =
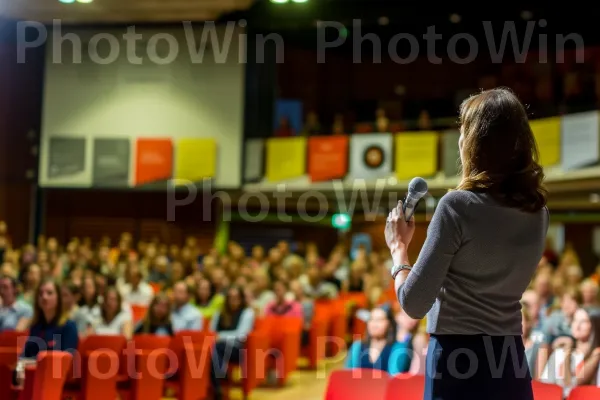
x: 579, y: 141
x: 371, y: 156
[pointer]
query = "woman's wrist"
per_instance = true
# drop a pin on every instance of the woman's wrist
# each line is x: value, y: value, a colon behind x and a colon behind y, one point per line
x: 400, y: 255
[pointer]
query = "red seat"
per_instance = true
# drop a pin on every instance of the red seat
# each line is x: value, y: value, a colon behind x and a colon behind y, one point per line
x: 13, y: 339
x: 8, y: 361
x: 409, y: 386
x: 148, y: 384
x: 45, y: 380
x: 357, y: 384
x: 585, y: 393
x: 100, y: 377
x: 546, y: 391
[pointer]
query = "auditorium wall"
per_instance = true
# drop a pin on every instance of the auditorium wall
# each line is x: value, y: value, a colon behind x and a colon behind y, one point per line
x: 106, y: 94
x: 20, y: 102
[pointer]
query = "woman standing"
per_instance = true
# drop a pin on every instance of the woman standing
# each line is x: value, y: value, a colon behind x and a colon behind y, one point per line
x: 482, y: 248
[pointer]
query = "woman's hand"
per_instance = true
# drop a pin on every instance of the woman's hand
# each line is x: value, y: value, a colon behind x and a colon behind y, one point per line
x: 563, y: 342
x: 398, y: 232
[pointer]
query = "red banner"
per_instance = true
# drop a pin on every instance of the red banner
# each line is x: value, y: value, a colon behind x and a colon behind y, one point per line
x: 327, y: 157
x: 154, y: 160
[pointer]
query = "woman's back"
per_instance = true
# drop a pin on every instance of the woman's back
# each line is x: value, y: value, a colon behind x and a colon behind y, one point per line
x: 491, y: 252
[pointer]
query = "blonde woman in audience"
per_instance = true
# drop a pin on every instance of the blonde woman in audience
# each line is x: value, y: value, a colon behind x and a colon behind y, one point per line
x: 263, y: 295
x: 575, y: 359
x: 573, y: 276
x: 114, y: 318
x: 589, y: 293
x: 542, y: 285
x: 136, y: 291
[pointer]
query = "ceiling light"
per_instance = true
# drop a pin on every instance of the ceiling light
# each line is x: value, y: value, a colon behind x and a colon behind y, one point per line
x: 84, y: 1
x: 383, y: 21
x: 279, y: 1
x: 300, y: 1
x: 455, y: 18
x: 594, y: 198
x: 67, y: 1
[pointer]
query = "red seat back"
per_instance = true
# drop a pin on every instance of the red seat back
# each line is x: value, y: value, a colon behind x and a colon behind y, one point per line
x: 50, y: 375
x: 546, y: 391
x: 357, y: 384
x: 410, y: 386
x: 100, y: 376
x: 13, y: 339
x: 585, y: 393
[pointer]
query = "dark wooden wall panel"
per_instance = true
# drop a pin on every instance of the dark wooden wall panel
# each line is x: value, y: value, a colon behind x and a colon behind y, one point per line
x: 20, y: 115
x: 97, y: 213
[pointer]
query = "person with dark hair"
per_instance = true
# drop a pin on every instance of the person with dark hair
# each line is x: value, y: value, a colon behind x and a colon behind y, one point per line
x: 281, y: 305
x: 51, y: 328
x: 15, y: 315
x: 207, y: 300
x: 575, y: 359
x: 379, y: 349
x: 482, y: 248
x: 232, y: 326
x: 158, y: 318
x: 114, y: 318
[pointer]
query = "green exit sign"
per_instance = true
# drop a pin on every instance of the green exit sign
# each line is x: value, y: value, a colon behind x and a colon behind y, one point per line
x: 341, y: 221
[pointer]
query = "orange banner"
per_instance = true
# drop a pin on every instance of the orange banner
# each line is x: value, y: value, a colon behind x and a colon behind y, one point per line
x: 154, y: 160
x: 327, y: 157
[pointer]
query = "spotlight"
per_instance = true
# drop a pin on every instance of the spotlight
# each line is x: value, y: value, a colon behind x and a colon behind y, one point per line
x: 383, y: 21
x: 66, y: 1
x: 84, y: 1
x: 300, y: 1
x: 455, y: 18
x: 279, y: 1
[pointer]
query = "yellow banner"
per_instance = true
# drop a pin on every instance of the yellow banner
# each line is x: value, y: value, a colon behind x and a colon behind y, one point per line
x: 195, y: 159
x: 286, y: 158
x: 416, y: 154
x: 547, y: 136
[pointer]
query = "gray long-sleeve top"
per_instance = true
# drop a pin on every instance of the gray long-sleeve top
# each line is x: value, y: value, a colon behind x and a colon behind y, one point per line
x: 477, y: 261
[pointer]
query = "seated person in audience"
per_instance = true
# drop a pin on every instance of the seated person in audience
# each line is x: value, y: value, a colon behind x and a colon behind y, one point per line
x: 380, y: 350
x: 589, y: 293
x: 531, y: 303
x: 70, y: 295
x: 135, y: 291
x: 158, y: 318
x: 559, y: 322
x: 207, y: 300
x: 184, y: 316
x: 51, y: 328
x: 575, y: 360
x: 15, y: 315
x: 281, y: 305
x: 89, y: 302
x: 31, y: 280
x: 232, y: 327
x: 542, y: 285
x: 536, y: 350
x: 315, y: 286
x: 263, y: 295
x: 159, y: 271
x: 406, y: 327
x: 115, y: 319
x: 308, y: 309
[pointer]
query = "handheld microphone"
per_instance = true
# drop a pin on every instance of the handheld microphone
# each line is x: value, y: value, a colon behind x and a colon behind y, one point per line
x: 416, y: 190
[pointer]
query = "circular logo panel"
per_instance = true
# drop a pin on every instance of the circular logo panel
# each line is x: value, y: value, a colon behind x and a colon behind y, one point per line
x: 374, y: 157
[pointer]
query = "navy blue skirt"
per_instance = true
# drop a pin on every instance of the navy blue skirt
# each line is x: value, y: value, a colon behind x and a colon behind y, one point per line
x: 464, y: 367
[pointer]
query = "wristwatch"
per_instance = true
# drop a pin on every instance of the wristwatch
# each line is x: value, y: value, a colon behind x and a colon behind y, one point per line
x: 397, y: 268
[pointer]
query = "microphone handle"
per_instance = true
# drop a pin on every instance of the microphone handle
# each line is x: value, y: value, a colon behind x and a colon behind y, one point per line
x: 408, y: 207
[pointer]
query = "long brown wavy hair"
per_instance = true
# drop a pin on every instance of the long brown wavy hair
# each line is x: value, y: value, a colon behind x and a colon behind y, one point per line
x: 499, y: 152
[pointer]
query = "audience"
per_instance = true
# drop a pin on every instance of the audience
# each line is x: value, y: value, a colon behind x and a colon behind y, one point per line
x: 158, y: 318
x: 184, y: 316
x: 15, y: 315
x: 380, y: 350
x: 101, y: 288
x: 232, y: 326
x: 114, y: 318
x: 51, y: 328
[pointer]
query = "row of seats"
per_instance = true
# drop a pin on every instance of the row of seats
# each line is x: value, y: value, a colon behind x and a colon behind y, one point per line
x: 360, y: 384
x: 102, y: 366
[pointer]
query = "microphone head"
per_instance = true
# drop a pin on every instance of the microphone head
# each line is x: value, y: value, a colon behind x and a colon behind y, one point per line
x: 417, y: 188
